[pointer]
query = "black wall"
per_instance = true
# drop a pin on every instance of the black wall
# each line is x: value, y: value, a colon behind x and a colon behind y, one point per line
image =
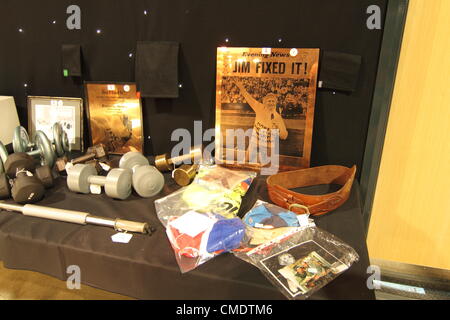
x: 34, y: 56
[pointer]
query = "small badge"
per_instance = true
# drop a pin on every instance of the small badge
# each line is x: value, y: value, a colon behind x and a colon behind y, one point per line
x: 293, y: 52
x: 266, y: 50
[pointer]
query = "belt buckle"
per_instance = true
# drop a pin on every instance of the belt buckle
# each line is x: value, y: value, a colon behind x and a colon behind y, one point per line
x: 291, y: 203
x: 299, y: 206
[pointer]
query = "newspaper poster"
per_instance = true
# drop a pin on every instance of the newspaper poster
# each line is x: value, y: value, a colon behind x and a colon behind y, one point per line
x: 115, y: 116
x: 265, y: 101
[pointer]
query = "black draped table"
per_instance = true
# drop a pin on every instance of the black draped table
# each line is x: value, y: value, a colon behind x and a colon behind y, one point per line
x: 146, y: 268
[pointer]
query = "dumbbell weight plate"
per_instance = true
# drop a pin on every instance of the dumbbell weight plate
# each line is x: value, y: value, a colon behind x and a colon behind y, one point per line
x: 132, y: 159
x: 44, y: 174
x: 3, y: 157
x: 19, y: 161
x: 44, y: 145
x: 118, y: 183
x: 77, y: 178
x: 57, y: 139
x: 5, y: 188
x: 147, y: 181
x: 21, y: 140
x: 60, y: 140
x: 65, y: 142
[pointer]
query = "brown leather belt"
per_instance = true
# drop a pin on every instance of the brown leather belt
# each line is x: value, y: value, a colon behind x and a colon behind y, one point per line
x: 279, y: 184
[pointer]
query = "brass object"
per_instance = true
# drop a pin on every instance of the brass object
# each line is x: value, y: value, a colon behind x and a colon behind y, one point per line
x: 115, y: 116
x: 163, y: 163
x: 185, y: 174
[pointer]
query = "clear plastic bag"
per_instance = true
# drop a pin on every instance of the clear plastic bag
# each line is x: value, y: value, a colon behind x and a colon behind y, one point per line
x: 198, y: 237
x: 298, y: 260
x: 200, y: 219
x: 215, y: 190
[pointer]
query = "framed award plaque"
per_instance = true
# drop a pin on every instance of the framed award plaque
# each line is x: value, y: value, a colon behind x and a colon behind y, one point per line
x: 43, y: 112
x: 115, y: 116
x: 265, y: 101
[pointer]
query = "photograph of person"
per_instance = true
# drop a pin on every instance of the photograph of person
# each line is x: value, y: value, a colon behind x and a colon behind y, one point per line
x: 264, y: 104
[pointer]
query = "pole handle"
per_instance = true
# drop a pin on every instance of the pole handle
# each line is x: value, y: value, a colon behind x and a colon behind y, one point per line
x: 131, y: 226
x: 55, y: 214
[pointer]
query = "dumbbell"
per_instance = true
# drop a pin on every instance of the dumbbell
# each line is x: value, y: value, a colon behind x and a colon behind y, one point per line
x: 21, y: 140
x: 82, y: 177
x: 147, y: 180
x: 164, y: 163
x: 98, y: 152
x: 23, y: 185
x: 44, y: 149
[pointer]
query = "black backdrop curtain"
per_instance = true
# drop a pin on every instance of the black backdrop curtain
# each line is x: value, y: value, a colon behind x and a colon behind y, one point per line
x: 33, y: 56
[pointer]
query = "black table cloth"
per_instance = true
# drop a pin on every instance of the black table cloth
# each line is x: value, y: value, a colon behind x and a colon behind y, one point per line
x: 146, y: 268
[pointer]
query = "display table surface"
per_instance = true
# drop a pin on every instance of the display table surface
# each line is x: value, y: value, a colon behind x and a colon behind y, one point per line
x: 146, y: 267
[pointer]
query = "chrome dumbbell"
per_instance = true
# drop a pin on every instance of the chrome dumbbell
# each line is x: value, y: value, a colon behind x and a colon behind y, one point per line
x: 22, y: 143
x: 43, y: 148
x: 147, y: 180
x: 83, y: 178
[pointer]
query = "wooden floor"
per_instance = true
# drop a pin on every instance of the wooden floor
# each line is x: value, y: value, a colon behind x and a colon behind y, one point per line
x: 28, y: 285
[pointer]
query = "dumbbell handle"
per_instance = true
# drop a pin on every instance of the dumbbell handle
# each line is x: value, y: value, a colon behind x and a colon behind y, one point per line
x: 191, y: 155
x: 98, y: 180
x: 84, y: 158
x: 34, y: 153
x: 77, y: 217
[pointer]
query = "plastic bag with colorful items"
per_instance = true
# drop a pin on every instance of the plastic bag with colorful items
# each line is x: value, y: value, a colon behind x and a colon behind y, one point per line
x: 198, y: 237
x: 297, y: 257
x: 215, y: 190
x: 200, y: 219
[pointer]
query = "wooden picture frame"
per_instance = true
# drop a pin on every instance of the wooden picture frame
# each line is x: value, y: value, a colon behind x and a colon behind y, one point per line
x: 44, y: 111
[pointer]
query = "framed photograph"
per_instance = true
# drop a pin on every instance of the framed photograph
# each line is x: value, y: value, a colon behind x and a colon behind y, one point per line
x: 114, y: 112
x: 43, y: 112
x: 265, y: 101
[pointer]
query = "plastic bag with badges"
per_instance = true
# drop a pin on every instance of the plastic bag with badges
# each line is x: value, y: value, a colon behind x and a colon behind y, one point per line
x: 296, y: 256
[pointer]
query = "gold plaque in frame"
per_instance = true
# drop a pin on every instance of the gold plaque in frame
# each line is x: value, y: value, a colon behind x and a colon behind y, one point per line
x: 261, y: 89
x: 114, y: 112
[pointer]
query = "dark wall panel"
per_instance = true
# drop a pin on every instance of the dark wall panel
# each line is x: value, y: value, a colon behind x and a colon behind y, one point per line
x: 34, y: 56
